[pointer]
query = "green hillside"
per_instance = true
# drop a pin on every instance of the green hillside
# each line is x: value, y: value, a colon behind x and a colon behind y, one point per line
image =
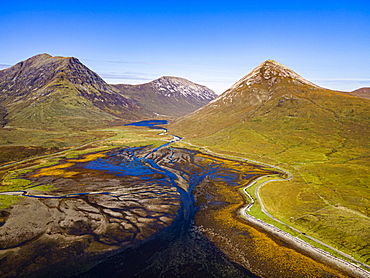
x: 61, y: 107
x: 320, y: 136
x: 46, y: 92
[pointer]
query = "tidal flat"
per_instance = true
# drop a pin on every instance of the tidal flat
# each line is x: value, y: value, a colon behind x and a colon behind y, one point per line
x: 134, y: 212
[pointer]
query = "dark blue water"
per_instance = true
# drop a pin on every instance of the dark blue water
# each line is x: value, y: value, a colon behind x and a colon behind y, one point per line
x: 130, y: 166
x: 150, y: 124
x: 178, y: 250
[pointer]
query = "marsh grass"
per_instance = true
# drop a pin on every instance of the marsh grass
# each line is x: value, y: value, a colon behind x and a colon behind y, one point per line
x: 8, y: 200
x: 49, y: 164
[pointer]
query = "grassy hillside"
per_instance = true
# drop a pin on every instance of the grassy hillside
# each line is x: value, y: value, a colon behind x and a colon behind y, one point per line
x: 320, y: 136
x: 149, y: 100
x: 59, y: 106
x: 46, y: 92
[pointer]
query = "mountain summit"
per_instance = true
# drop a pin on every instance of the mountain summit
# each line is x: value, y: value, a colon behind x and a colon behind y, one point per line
x: 271, y: 90
x: 59, y: 92
x: 169, y: 96
x: 272, y: 73
x: 176, y: 87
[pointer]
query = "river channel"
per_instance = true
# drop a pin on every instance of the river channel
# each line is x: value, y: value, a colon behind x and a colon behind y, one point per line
x: 179, y: 250
x: 141, y: 212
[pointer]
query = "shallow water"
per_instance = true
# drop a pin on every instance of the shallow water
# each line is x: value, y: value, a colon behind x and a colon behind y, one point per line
x: 179, y: 250
x: 145, y: 198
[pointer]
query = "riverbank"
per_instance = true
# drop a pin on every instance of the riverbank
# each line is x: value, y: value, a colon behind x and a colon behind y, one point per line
x: 346, y: 265
x: 304, y: 246
x: 254, y: 244
x: 314, y: 252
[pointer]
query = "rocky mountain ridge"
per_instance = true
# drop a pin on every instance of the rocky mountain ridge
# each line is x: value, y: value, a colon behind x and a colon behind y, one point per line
x: 262, y: 81
x: 49, y: 92
x: 60, y: 92
x: 272, y: 72
x: 175, y: 86
x: 168, y: 95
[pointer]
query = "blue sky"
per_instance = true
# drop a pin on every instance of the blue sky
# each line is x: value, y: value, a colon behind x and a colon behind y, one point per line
x: 214, y: 43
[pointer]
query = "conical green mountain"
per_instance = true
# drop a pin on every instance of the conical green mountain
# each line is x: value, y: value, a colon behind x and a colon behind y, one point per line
x: 270, y: 91
x: 321, y: 136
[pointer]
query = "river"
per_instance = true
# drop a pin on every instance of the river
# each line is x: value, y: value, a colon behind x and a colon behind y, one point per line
x: 179, y: 250
x: 142, y: 212
x: 137, y: 199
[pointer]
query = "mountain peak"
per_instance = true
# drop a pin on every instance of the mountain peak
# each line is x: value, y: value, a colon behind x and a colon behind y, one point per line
x: 40, y: 59
x: 271, y: 62
x: 174, y: 86
x: 40, y: 56
x: 271, y: 65
x: 171, y: 79
x: 169, y: 96
x: 37, y: 90
x: 272, y: 73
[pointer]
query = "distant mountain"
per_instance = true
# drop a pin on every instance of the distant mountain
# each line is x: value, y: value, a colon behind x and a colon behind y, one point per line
x: 169, y: 96
x: 48, y: 92
x: 59, y: 92
x: 362, y: 92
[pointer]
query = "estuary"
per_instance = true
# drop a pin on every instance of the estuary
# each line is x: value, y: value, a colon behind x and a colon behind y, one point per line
x: 144, y: 211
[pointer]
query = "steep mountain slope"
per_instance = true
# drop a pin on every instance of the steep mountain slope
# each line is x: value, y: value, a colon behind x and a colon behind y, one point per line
x: 321, y: 136
x: 170, y: 96
x: 59, y: 92
x: 271, y: 91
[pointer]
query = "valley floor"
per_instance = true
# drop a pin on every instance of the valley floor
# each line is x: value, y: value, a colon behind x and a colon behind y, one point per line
x: 214, y: 221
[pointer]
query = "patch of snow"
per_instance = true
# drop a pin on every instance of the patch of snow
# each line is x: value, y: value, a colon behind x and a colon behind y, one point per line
x: 181, y: 87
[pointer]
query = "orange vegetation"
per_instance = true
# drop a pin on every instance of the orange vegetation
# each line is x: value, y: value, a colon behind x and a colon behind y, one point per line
x: 61, y: 169
x: 247, y: 245
x: 89, y: 157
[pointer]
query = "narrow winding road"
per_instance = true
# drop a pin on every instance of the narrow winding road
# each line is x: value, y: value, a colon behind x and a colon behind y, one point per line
x: 244, y: 214
x: 289, y: 176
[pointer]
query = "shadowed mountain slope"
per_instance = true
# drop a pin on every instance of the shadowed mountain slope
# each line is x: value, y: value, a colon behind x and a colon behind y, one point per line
x: 59, y: 92
x: 321, y: 136
x: 169, y: 96
x: 48, y: 92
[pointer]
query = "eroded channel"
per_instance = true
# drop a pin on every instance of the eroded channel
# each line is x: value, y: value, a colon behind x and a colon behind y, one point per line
x: 136, y: 212
x: 129, y: 211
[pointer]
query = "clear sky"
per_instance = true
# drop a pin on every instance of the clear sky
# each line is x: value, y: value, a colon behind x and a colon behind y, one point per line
x: 214, y: 43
